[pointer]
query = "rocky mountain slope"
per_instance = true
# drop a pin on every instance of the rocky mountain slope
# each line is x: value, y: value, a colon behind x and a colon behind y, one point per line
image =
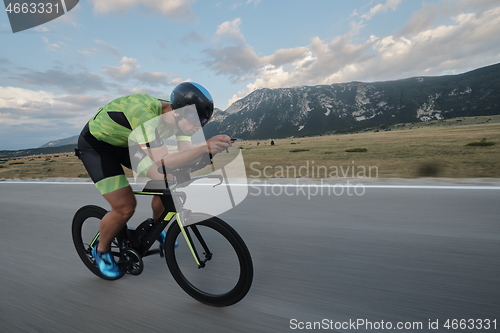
x: 62, y: 142
x: 347, y: 107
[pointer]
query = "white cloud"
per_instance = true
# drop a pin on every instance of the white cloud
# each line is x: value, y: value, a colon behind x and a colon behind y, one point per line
x: 468, y: 43
x: 153, y: 78
x: 430, y: 13
x: 4, y: 61
x: 176, y: 10
x: 193, y: 37
x: 286, y: 56
x: 153, y: 92
x: 42, y: 104
x: 71, y: 17
x: 25, y: 99
x: 157, y: 78
x: 75, y: 83
x: 128, y: 67
x: 104, y: 48
x: 108, y: 48
x: 230, y: 30
x: 54, y: 47
x: 25, y: 109
x: 381, y: 8
x: 84, y: 101
x: 28, y: 117
x: 88, y: 51
x: 234, y: 61
x: 466, y: 40
x: 41, y: 28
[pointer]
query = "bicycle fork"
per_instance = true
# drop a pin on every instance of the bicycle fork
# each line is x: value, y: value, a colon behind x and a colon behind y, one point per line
x: 189, y: 241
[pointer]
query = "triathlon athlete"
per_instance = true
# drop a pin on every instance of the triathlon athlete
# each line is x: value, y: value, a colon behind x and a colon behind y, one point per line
x: 103, y: 147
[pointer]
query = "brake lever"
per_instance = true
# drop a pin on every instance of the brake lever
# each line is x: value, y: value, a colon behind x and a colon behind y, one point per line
x: 219, y: 177
x: 221, y: 180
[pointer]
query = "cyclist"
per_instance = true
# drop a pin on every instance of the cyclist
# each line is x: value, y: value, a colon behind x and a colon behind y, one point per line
x: 103, y: 147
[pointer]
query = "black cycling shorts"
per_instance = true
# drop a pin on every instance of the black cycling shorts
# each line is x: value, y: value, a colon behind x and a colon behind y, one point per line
x: 104, y: 162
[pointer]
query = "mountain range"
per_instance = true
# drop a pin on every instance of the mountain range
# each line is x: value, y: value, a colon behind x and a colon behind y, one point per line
x: 348, y: 107
x: 62, y: 142
x: 354, y: 106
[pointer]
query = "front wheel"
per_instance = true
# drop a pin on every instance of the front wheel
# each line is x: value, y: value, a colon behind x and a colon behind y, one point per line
x: 227, y: 270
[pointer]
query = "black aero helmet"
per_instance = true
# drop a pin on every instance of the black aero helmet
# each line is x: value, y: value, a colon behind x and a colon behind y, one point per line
x: 190, y: 93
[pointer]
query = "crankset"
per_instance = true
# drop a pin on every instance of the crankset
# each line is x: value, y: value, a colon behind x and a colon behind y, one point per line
x: 131, y: 262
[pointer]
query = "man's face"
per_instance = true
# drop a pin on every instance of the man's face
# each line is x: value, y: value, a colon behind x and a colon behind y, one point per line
x: 187, y: 127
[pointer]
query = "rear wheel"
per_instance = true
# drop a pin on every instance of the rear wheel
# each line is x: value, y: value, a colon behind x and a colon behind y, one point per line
x: 227, y: 270
x: 85, y: 230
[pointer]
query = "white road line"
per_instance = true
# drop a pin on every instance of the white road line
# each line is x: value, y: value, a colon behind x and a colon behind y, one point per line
x: 57, y: 183
x: 430, y: 187
x: 451, y: 187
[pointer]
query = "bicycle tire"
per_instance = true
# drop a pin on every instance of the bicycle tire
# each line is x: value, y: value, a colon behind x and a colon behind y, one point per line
x: 208, y: 284
x: 85, y: 228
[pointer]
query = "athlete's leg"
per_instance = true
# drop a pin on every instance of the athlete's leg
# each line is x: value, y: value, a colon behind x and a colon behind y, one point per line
x: 156, y: 203
x: 123, y: 205
x: 157, y: 207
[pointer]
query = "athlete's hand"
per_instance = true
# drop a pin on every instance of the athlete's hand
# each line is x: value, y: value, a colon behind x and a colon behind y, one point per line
x: 218, y: 144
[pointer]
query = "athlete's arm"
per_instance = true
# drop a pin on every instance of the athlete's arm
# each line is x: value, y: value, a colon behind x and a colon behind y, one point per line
x: 176, y: 160
x: 183, y: 143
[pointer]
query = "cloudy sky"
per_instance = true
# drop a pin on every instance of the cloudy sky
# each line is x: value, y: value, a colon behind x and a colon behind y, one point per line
x: 55, y: 76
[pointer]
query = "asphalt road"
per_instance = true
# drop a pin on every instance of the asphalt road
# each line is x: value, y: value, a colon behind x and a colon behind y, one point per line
x: 389, y: 256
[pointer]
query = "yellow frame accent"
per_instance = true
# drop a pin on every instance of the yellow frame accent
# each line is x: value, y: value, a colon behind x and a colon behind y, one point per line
x: 187, y: 239
x: 169, y: 216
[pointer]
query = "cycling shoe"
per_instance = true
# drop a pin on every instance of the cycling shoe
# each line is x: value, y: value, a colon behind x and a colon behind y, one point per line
x: 162, y: 238
x: 106, y: 263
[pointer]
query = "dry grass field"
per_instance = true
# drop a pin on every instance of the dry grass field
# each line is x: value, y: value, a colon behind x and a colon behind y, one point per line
x: 424, y: 152
x: 431, y: 151
x: 43, y: 166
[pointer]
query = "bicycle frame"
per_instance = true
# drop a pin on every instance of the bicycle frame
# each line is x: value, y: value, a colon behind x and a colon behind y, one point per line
x: 170, y: 199
x: 213, y: 285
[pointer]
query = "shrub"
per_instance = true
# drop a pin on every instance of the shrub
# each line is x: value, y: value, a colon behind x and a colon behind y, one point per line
x: 482, y: 143
x: 298, y: 150
x: 429, y: 169
x: 357, y: 150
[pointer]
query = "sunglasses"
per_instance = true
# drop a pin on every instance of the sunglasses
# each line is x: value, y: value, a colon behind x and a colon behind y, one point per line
x: 194, y: 119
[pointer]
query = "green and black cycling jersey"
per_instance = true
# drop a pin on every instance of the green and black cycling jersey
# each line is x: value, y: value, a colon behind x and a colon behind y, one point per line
x: 120, y: 120
x: 127, y: 124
